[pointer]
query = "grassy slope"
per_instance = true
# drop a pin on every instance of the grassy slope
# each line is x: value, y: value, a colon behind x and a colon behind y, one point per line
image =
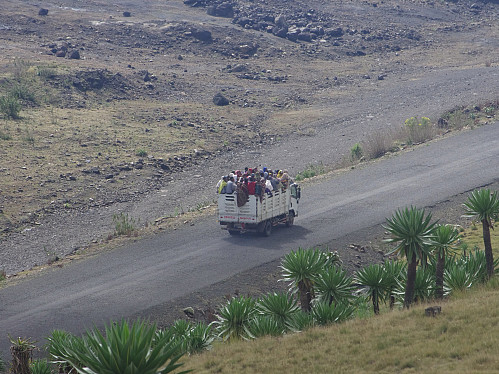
x: 463, y: 339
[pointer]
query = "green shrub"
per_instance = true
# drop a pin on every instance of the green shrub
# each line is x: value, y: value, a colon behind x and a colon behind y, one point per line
x: 356, y: 152
x: 141, y: 152
x: 10, y: 106
x: 418, y: 130
x: 22, y: 92
x: 40, y: 366
x: 310, y: 171
x: 127, y: 348
x: 123, y: 224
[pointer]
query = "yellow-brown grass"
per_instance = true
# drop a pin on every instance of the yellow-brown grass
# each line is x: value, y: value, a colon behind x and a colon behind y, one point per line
x: 464, y: 338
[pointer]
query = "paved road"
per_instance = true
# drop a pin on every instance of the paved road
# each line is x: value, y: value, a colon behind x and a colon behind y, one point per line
x: 150, y: 272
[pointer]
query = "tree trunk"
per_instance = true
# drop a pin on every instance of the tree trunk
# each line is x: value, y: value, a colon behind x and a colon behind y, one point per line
x: 375, y: 302
x: 411, y: 279
x: 21, y: 357
x: 439, y: 276
x: 305, y: 296
x: 392, y: 301
x: 489, y: 257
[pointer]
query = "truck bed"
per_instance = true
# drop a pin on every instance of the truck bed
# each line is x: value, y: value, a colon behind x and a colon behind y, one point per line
x: 254, y: 211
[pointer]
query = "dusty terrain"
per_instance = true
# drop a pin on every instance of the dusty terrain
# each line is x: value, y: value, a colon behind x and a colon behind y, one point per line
x: 131, y: 125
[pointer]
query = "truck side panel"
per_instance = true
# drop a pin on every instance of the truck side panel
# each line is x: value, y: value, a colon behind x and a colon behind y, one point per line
x: 253, y: 211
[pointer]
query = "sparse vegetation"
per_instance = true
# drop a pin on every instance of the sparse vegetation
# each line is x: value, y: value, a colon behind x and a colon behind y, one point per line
x: 419, y: 130
x: 379, y: 143
x: 124, y: 225
x: 40, y: 366
x: 356, y: 152
x: 310, y: 171
x: 141, y: 152
x: 10, y: 107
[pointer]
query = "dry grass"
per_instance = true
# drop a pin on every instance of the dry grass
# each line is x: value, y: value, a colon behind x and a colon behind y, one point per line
x: 462, y: 339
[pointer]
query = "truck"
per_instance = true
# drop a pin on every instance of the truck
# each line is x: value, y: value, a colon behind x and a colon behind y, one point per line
x: 260, y: 213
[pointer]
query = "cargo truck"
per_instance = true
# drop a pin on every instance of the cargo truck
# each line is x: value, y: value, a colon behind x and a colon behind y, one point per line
x: 259, y: 214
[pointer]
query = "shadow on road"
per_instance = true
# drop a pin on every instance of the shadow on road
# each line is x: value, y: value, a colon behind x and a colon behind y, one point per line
x: 281, y: 237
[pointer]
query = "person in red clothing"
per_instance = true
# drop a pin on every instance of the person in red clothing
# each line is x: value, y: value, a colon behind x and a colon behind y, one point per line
x: 251, y: 186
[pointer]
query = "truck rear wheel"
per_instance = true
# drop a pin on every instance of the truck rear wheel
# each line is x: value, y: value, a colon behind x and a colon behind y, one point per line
x: 267, y: 230
x: 233, y: 232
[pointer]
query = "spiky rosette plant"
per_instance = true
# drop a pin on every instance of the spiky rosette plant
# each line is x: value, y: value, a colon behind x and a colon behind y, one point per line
x: 325, y: 314
x: 126, y: 349
x: 373, y: 279
x: 484, y: 205
x: 444, y: 240
x: 332, y: 284
x: 234, y: 318
x: 263, y: 325
x: 299, y: 269
x: 411, y: 231
x: 280, y: 307
x: 394, y: 275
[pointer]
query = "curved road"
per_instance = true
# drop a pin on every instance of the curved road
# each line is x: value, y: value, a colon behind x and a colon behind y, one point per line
x: 150, y: 272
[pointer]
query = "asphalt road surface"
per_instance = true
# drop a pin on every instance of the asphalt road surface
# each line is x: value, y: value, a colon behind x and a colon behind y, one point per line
x: 150, y: 272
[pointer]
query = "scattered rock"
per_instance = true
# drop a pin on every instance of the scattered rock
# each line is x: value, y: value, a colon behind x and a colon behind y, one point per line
x: 220, y: 100
x: 203, y: 35
x: 43, y: 12
x: 189, y: 312
x: 60, y: 53
x: 74, y: 54
x: 127, y: 14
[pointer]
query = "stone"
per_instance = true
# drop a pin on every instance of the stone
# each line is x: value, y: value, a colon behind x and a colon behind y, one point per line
x: 203, y: 35
x: 220, y: 100
x: 335, y: 33
x: 43, y: 12
x: 127, y: 14
x: 74, y: 54
x: 189, y: 312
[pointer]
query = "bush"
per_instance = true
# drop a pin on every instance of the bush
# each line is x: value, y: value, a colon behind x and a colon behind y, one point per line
x: 10, y: 106
x: 40, y: 366
x: 378, y: 143
x: 356, y: 152
x: 123, y: 224
x: 418, y: 130
x: 310, y: 171
x: 127, y: 348
x: 23, y: 93
x: 141, y: 152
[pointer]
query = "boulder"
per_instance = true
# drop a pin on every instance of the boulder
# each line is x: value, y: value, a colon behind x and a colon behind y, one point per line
x: 335, y: 33
x: 224, y: 9
x: 305, y: 36
x: 220, y: 100
x: 127, y: 14
x: 60, y: 53
x: 203, y: 35
x: 43, y: 12
x: 74, y: 54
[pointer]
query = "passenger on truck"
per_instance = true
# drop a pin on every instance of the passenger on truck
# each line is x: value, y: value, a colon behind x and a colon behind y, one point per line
x: 222, y: 187
x: 231, y: 186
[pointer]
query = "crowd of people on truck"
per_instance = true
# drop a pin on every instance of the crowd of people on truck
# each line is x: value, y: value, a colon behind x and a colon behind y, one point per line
x: 254, y: 181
